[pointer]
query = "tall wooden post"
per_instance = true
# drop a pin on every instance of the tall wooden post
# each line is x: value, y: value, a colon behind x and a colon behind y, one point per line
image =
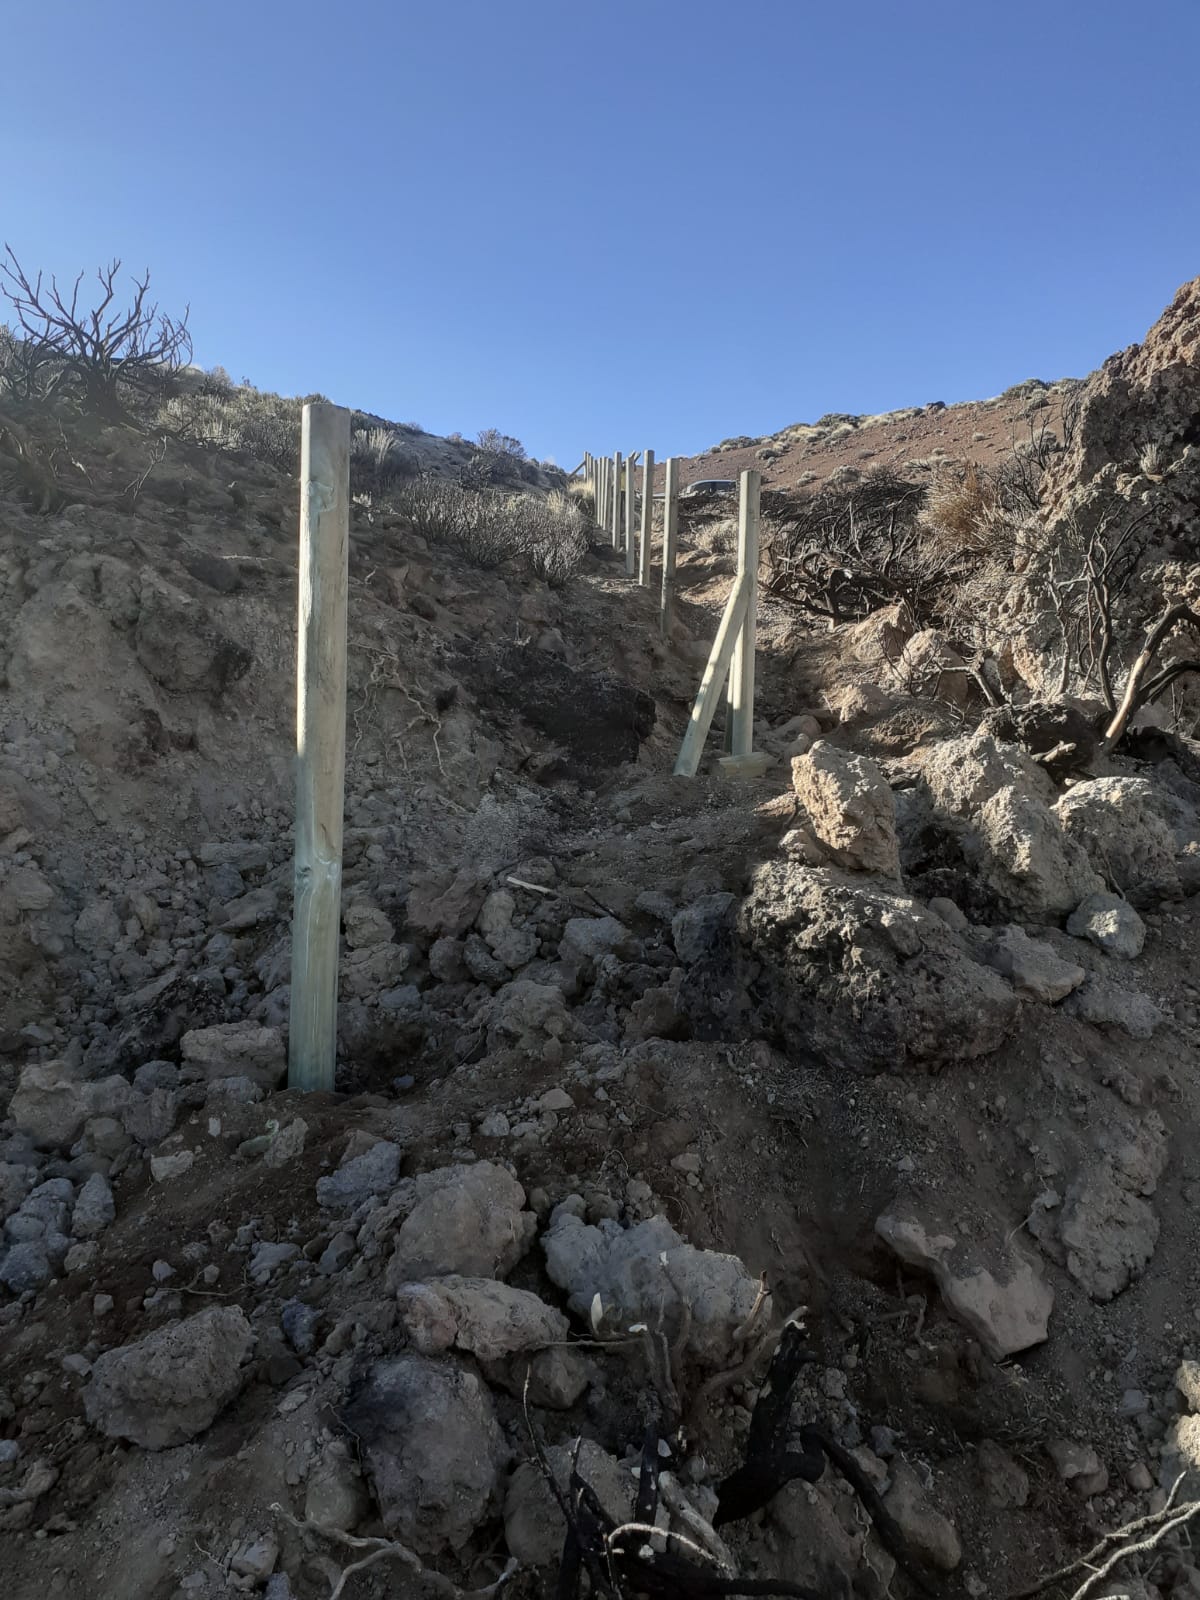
x: 741, y: 671
x: 630, y: 498
x: 616, y: 501
x: 647, y: 519
x: 666, y: 607
x: 320, y: 743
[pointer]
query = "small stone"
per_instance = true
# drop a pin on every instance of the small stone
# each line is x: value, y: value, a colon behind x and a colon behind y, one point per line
x: 256, y: 1557
x: 930, y: 1534
x: 555, y: 1100
x: 1111, y: 923
x: 495, y: 1126
x: 338, y: 1254
x: 1079, y: 1466
x: 299, y: 1322
x: 161, y: 1271
x: 102, y: 1304
x: 375, y: 1171
x: 1139, y: 1477
x: 165, y: 1169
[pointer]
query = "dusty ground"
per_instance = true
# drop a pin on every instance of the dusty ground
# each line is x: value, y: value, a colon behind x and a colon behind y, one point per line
x: 512, y: 730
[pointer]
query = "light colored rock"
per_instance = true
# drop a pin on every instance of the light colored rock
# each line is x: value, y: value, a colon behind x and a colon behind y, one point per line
x: 1181, y: 1456
x: 335, y: 1495
x: 1006, y: 1304
x: 1079, y: 1466
x: 1187, y: 1381
x: 465, y: 1220
x: 1034, y: 968
x: 865, y: 976
x: 255, y: 1557
x: 849, y: 807
x: 647, y: 1273
x: 927, y: 1532
x: 1026, y: 861
x: 931, y: 667
x: 1117, y: 823
x: 433, y: 1450
x: 168, y: 1387
x: 365, y: 971
x: 526, y: 1016
x: 52, y: 1103
x: 1110, y: 922
x: 879, y: 639
x: 859, y: 702
x: 495, y: 1321
x: 962, y: 774
x: 166, y: 1168
x: 235, y: 1050
x: 1108, y: 1232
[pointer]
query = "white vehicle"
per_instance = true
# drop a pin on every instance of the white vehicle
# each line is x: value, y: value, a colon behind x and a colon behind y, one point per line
x: 708, y: 486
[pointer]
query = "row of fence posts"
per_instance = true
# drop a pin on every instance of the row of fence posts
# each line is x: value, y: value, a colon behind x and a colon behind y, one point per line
x: 730, y: 668
x: 321, y: 689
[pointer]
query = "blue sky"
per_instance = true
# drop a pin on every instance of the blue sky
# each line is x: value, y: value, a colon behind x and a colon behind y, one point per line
x: 616, y: 225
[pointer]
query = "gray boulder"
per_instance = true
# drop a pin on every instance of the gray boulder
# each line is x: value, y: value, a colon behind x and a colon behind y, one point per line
x: 648, y: 1274
x: 1108, y: 1005
x: 375, y: 1171
x: 1117, y: 823
x: 1024, y: 858
x: 464, y: 1220
x: 433, y: 1450
x: 864, y: 975
x: 235, y: 1050
x: 1034, y: 968
x: 1109, y: 922
x: 168, y: 1387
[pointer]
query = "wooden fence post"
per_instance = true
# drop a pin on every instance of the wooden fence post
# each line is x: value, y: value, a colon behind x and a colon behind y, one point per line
x: 670, y: 528
x: 630, y: 497
x: 616, y: 500
x: 647, y: 520
x: 713, y: 680
x: 741, y: 671
x: 320, y: 743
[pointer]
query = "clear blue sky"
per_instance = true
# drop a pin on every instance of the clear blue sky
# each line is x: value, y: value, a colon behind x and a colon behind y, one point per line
x: 615, y: 225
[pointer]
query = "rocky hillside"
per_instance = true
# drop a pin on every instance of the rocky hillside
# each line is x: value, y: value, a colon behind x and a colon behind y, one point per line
x: 805, y: 1166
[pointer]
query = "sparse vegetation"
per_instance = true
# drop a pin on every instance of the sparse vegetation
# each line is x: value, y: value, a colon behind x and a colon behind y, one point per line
x: 854, y: 546
x: 545, y: 534
x: 91, y: 349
